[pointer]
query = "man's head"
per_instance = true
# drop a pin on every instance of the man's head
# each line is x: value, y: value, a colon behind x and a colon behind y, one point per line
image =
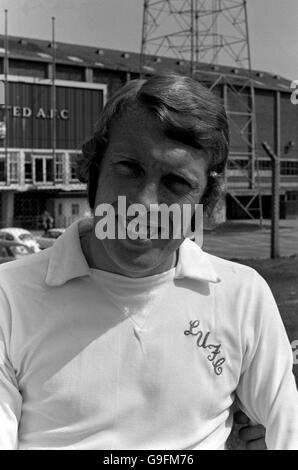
x: 163, y: 140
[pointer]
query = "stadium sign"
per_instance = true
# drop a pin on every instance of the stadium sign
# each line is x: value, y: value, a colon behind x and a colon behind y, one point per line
x: 40, y: 113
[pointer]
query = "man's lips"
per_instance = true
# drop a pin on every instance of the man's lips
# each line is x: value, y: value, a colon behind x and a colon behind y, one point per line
x: 141, y: 228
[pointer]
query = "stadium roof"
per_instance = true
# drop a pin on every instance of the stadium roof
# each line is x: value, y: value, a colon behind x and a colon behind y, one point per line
x: 117, y: 60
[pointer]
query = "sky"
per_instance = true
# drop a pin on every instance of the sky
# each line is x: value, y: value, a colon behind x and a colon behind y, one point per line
x: 117, y: 24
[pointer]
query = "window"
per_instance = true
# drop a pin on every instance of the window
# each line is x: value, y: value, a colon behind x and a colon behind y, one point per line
x: 75, y: 209
x: 28, y: 68
x: 43, y: 169
x: 3, y: 252
x: 289, y: 168
x: 54, y: 234
x: 13, y: 167
x: 238, y: 164
x: 69, y: 72
x: 2, y: 168
x: 39, y: 170
x: 59, y: 167
x: 265, y: 165
x: 25, y: 237
x: 292, y: 196
x: 73, y: 166
x: 59, y: 209
x: 19, y: 250
x: 49, y: 169
x: 28, y: 167
x: 8, y: 236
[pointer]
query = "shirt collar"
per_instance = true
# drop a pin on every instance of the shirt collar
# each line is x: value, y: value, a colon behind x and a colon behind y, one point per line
x: 67, y: 260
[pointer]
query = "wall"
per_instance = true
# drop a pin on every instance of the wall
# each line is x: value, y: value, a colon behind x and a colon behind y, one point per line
x: 289, y: 127
x: 65, y: 217
x: 30, y: 115
x: 266, y: 120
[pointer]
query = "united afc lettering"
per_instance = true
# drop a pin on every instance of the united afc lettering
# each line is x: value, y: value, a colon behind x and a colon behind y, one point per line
x: 40, y: 113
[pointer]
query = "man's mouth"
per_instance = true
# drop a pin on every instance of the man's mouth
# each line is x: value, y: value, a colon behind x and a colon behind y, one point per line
x: 143, y: 230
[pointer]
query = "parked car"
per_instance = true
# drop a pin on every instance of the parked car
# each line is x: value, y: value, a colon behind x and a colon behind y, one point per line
x: 10, y: 251
x: 20, y: 235
x: 48, y: 238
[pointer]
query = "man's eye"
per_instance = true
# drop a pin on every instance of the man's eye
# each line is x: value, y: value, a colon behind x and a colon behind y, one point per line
x: 128, y: 168
x: 176, y: 183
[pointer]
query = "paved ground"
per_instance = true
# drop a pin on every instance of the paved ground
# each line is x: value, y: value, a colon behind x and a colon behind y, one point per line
x: 249, y: 244
x: 247, y: 240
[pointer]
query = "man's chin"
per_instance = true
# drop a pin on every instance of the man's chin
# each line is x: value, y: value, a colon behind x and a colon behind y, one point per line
x: 135, y: 258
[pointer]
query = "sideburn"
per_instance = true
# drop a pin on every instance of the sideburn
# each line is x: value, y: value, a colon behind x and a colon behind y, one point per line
x: 92, y: 183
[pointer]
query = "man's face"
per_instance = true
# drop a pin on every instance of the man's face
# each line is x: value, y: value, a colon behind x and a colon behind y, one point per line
x: 148, y: 168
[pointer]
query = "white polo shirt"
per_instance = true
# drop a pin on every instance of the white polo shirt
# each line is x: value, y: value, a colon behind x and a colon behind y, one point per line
x: 95, y: 360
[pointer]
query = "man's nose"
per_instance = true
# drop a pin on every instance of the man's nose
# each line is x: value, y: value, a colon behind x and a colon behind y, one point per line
x: 147, y: 194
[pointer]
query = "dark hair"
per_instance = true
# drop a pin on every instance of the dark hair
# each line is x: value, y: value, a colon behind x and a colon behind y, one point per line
x: 188, y: 112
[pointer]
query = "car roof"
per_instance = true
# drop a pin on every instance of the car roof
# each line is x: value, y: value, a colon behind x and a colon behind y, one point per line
x: 14, y: 230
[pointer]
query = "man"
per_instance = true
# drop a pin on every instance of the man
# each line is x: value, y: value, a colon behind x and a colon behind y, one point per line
x: 143, y: 342
x: 47, y: 221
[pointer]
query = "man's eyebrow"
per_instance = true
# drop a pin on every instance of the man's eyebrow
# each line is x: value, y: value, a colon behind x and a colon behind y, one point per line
x: 186, y: 175
x: 123, y: 155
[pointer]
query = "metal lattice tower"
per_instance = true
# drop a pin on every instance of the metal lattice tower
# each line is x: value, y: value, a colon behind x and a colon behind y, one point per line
x: 201, y: 35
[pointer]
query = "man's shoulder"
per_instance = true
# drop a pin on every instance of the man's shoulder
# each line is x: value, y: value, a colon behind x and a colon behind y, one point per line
x: 32, y: 267
x: 229, y: 270
x: 243, y: 286
x: 236, y: 278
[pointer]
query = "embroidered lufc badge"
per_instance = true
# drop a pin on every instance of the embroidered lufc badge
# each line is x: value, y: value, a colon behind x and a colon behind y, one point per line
x: 202, y: 342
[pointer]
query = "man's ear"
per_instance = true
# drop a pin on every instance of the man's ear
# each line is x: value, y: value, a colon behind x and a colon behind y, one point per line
x: 212, y: 194
x: 208, y: 196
